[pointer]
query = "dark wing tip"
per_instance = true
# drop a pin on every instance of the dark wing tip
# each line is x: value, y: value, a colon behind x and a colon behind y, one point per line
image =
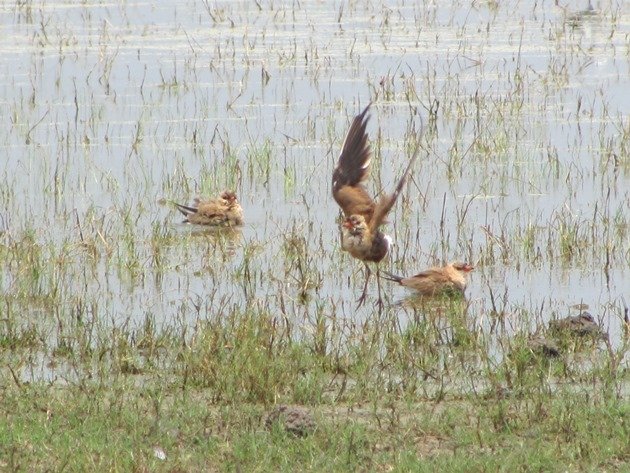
x: 186, y: 210
x: 391, y: 277
x: 354, y: 159
x: 387, y: 202
x: 364, y: 112
x: 403, y: 179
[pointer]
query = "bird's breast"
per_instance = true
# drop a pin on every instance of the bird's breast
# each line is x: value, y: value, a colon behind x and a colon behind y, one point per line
x: 366, y: 248
x: 353, y: 241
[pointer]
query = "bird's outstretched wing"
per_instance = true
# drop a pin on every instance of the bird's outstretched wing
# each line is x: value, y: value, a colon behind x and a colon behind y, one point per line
x: 386, y: 202
x: 353, y: 167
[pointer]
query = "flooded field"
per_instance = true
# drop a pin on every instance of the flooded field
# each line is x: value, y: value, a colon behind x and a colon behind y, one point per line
x: 112, y: 107
x: 114, y: 111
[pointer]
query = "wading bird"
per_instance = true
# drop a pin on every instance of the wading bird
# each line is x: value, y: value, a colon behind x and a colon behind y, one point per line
x: 360, y: 234
x: 223, y: 211
x: 446, y: 280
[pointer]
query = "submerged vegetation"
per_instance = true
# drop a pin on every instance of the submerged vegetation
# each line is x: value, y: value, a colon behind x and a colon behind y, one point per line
x: 132, y: 342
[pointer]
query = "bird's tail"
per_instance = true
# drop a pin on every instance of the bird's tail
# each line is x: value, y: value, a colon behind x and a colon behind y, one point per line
x: 186, y: 210
x: 390, y: 277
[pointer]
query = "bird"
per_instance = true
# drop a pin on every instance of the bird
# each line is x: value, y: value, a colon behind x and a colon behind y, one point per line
x: 450, y: 279
x: 582, y: 325
x: 222, y: 211
x: 360, y: 234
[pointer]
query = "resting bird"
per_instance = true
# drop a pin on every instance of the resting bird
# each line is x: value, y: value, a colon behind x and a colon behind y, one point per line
x: 445, y: 280
x: 582, y: 325
x: 360, y: 234
x: 223, y: 211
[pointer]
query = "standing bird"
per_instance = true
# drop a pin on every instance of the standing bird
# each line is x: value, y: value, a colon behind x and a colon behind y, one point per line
x: 445, y: 280
x: 224, y: 211
x: 360, y: 234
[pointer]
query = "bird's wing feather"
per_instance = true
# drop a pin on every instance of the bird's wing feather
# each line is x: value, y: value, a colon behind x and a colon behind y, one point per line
x: 433, y: 273
x: 386, y: 202
x: 391, y: 277
x: 212, y: 208
x: 185, y: 209
x: 355, y: 201
x: 353, y: 167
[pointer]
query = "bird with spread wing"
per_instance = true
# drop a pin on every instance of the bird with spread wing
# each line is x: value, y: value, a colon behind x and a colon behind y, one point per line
x: 361, y: 234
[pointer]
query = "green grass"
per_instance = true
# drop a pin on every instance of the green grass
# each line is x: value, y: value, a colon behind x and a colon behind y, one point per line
x: 117, y: 426
x: 422, y: 398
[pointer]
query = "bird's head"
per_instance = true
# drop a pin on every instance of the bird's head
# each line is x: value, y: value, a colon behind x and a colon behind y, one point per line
x: 463, y: 267
x: 229, y: 197
x: 355, y: 224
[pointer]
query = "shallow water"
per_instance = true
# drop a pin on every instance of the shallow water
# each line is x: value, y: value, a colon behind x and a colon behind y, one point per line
x: 109, y: 108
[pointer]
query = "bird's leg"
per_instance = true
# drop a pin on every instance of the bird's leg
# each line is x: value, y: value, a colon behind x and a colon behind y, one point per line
x: 379, y: 302
x: 368, y: 273
x: 340, y: 226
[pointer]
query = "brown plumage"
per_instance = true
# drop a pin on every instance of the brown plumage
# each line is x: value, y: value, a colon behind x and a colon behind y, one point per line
x: 360, y: 234
x: 445, y: 280
x: 222, y: 211
x: 582, y: 325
